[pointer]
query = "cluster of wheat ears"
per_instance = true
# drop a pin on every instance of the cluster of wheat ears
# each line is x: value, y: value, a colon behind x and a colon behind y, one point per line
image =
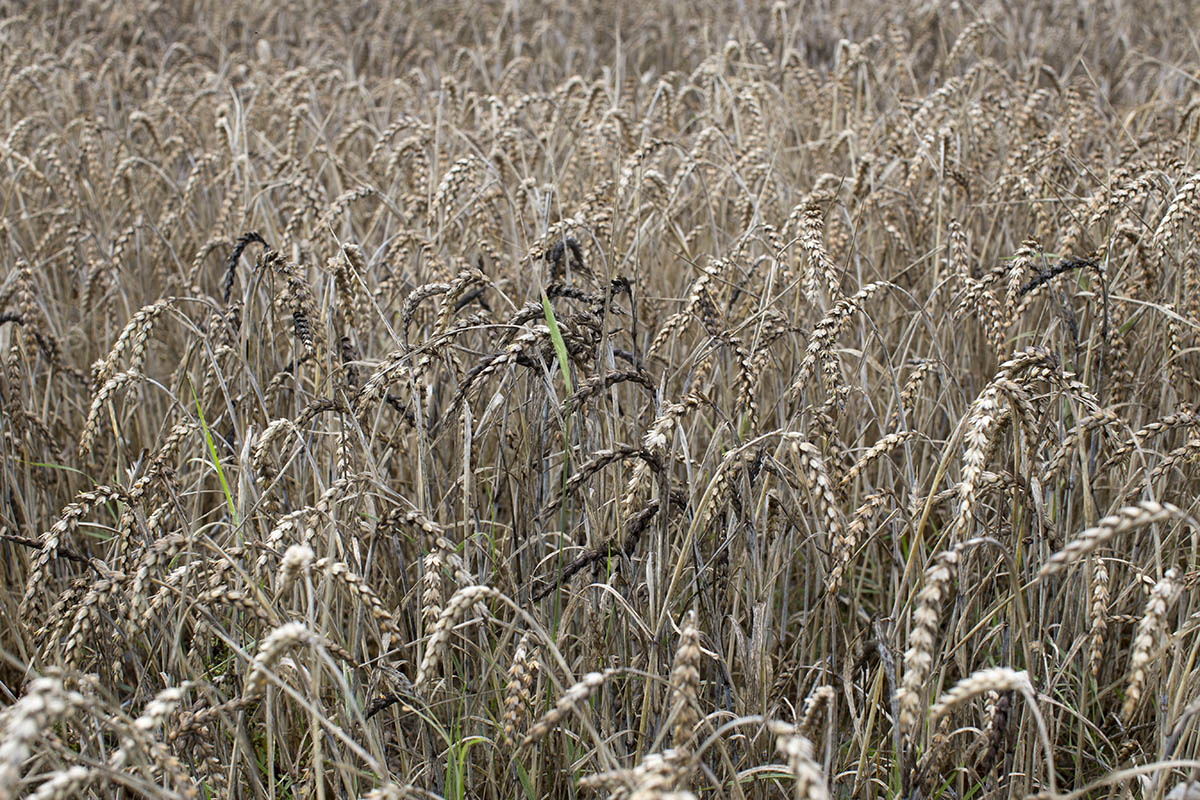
x: 517, y: 400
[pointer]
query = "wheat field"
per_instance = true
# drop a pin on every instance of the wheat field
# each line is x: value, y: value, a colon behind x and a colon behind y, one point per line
x: 503, y: 400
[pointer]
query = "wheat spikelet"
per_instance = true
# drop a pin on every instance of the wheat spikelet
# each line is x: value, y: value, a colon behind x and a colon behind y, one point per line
x: 1167, y: 423
x: 918, y: 657
x: 1139, y: 515
x: 63, y: 527
x: 91, y: 427
x: 45, y: 702
x: 132, y: 337
x: 885, y: 445
x: 992, y: 679
x: 439, y: 635
x: 809, y: 780
x: 341, y: 573
x: 828, y: 329
x: 982, y: 419
x: 1182, y: 207
x: 1022, y: 265
x: 278, y: 641
x: 1151, y: 626
x: 1099, y: 615
x: 846, y: 548
x: 571, y: 700
x: 912, y: 387
x: 1183, y: 455
x: 517, y: 697
x: 1098, y: 420
x: 685, y: 683
x: 87, y: 614
x: 996, y: 733
x: 64, y: 783
x: 810, y: 713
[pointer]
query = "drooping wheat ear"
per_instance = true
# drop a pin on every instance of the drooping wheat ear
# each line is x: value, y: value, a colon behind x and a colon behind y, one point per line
x: 998, y: 679
x: 490, y: 365
x: 979, y: 299
x: 140, y: 735
x: 912, y: 387
x: 277, y: 430
x: 283, y: 529
x: 91, y: 426
x: 845, y: 549
x: 465, y: 280
x: 1139, y: 515
x: 439, y: 636
x: 1023, y: 264
x: 297, y: 560
x: 153, y: 557
x: 86, y: 617
x: 306, y: 518
x: 63, y: 527
x: 465, y: 169
x: 341, y: 203
x: 820, y: 487
x: 1149, y: 629
x: 810, y: 780
x: 231, y: 263
x: 980, y: 428
x: 45, y: 702
x: 1099, y: 609
x: 811, y: 711
x: 517, y: 696
x: 432, y: 580
x: 810, y: 229
x: 571, y: 700
x: 278, y: 642
x: 1167, y: 423
x: 685, y: 683
x: 656, y: 441
x: 918, y: 658
x: 1182, y: 207
x: 1098, y: 420
x: 659, y: 776
x: 998, y: 708
x: 64, y: 783
x: 966, y: 41
x: 598, y: 461
x: 132, y: 337
x: 828, y: 329
x: 340, y: 572
x: 1182, y: 455
x: 957, y: 257
x: 349, y: 272
x: 886, y: 444
x: 699, y: 304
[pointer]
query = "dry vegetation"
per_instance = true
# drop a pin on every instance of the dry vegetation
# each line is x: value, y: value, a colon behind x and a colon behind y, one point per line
x: 658, y: 401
